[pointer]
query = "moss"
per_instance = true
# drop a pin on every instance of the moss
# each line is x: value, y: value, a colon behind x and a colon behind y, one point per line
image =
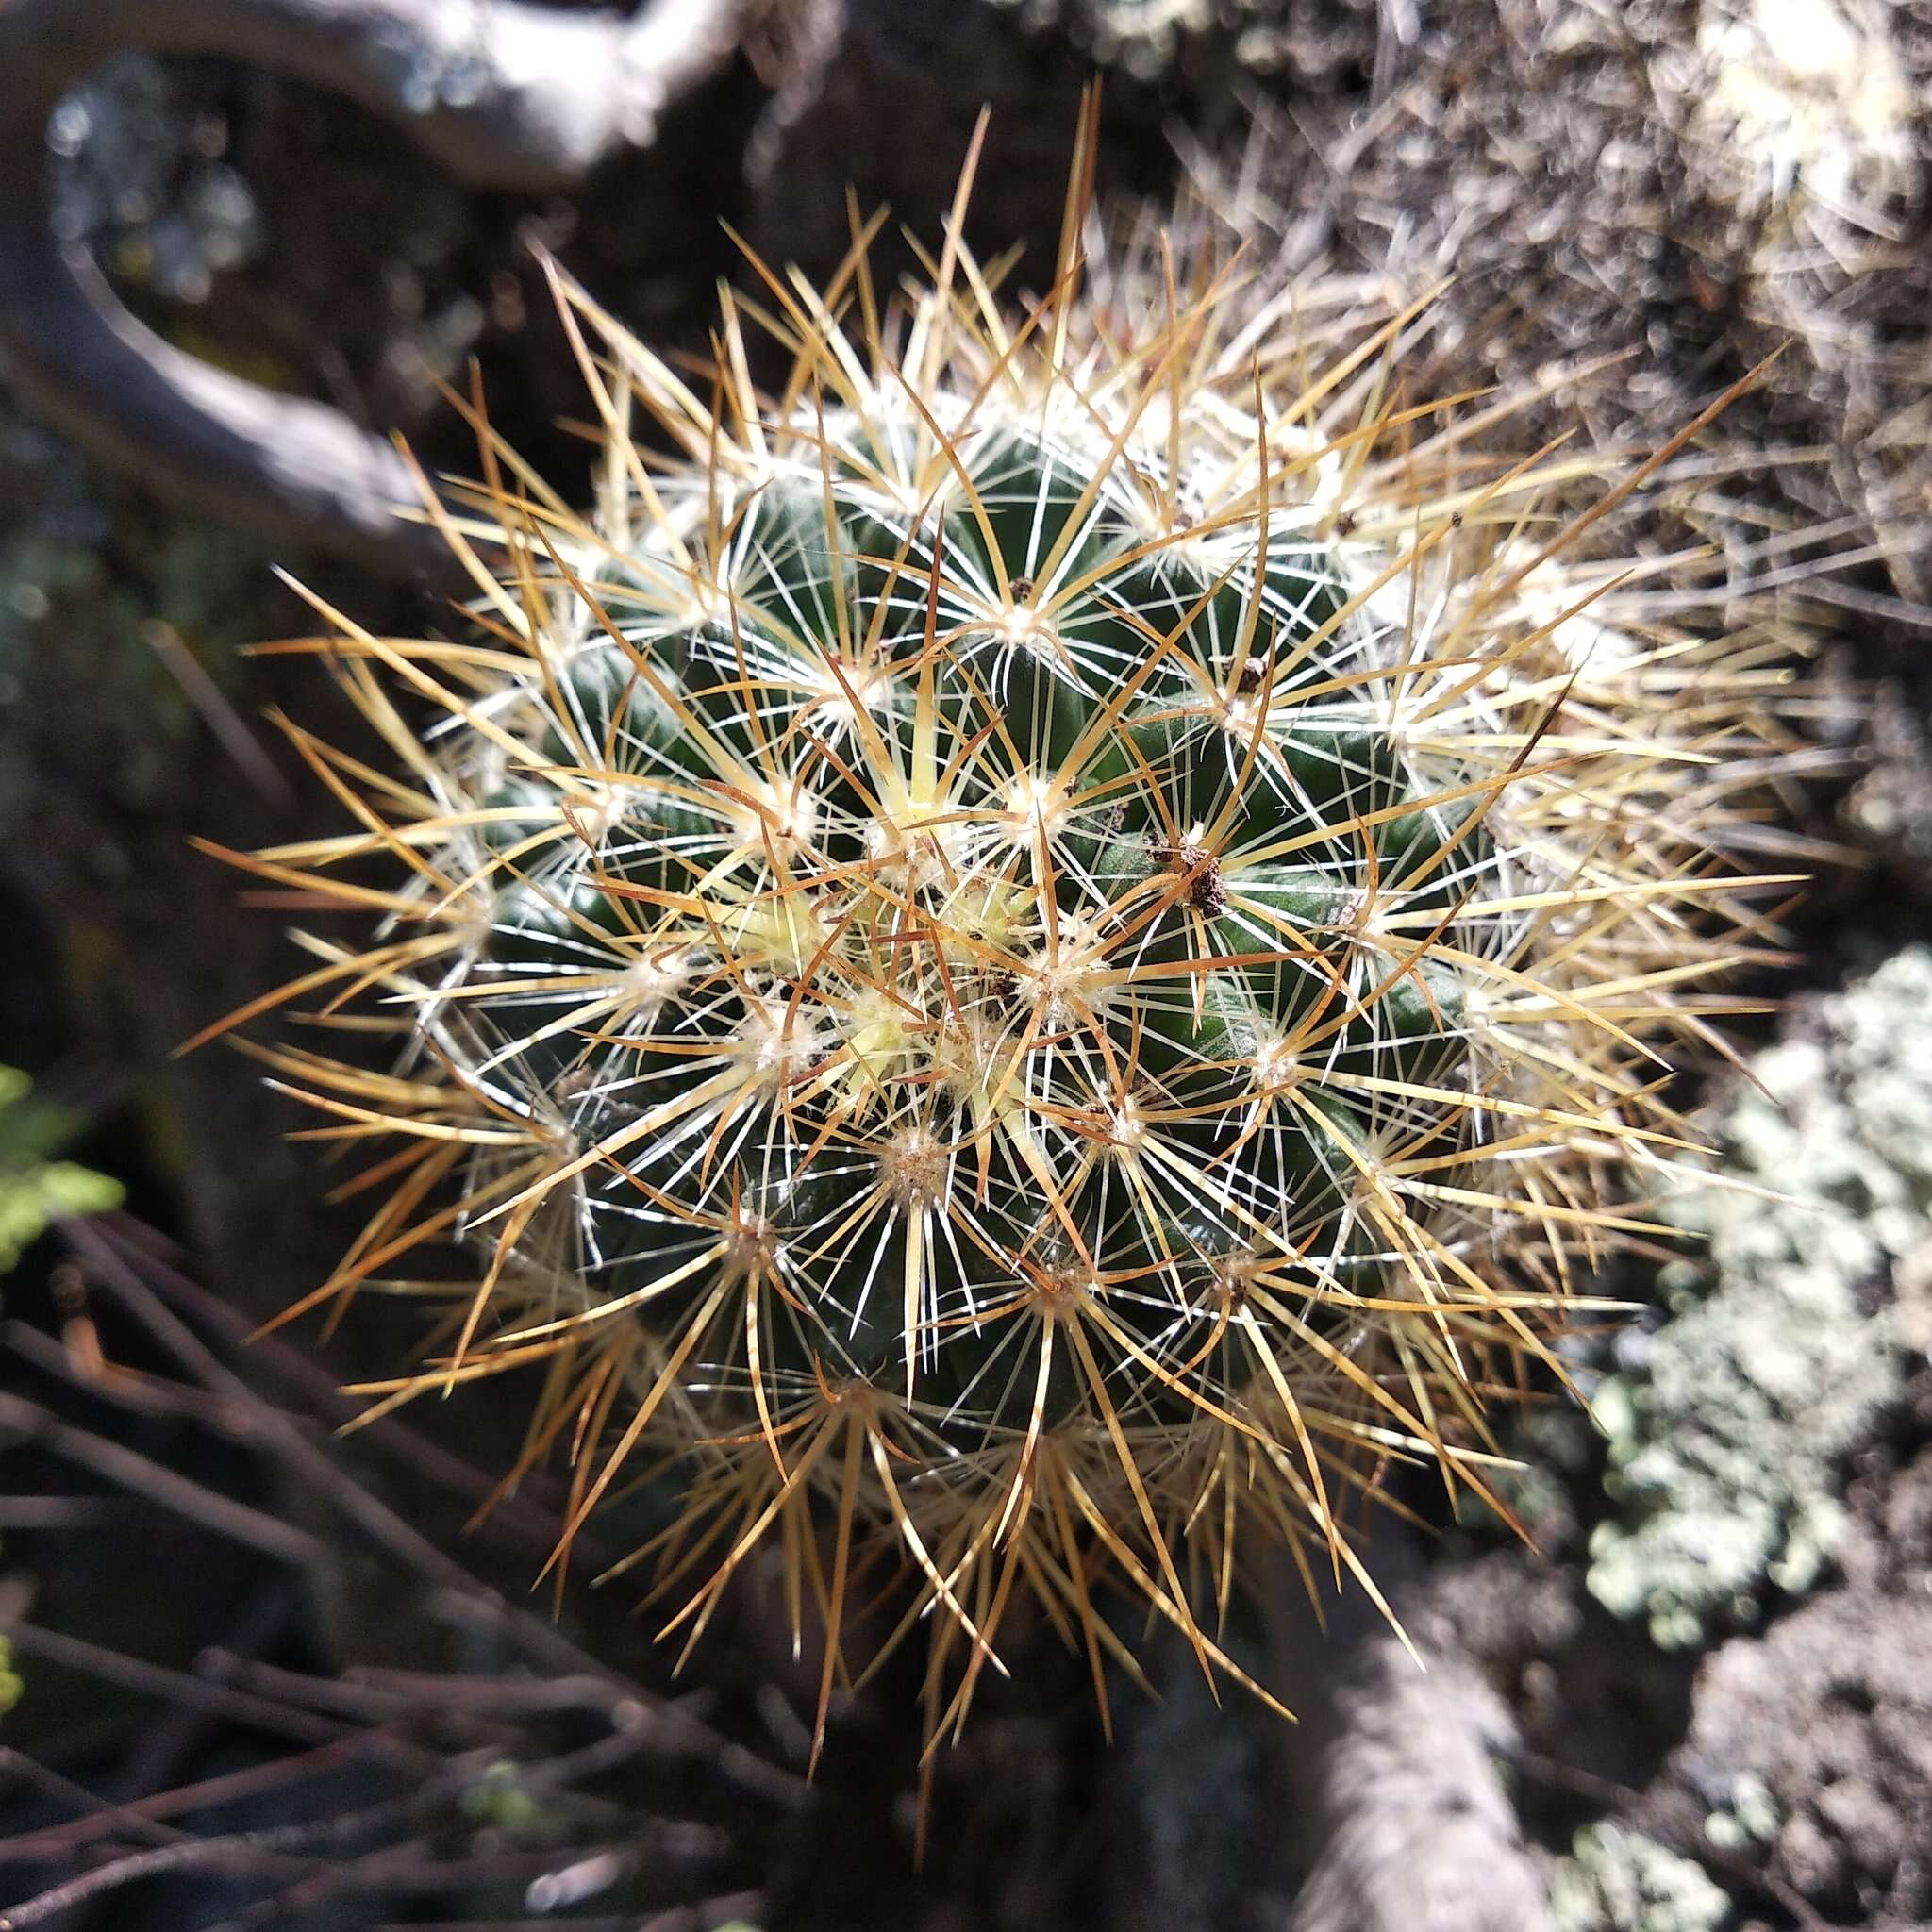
x: 1729, y: 1422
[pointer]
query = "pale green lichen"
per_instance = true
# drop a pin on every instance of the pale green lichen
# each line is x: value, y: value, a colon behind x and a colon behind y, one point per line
x: 1147, y: 39
x: 1729, y: 1422
x: 1617, y: 1880
x: 1749, y: 1822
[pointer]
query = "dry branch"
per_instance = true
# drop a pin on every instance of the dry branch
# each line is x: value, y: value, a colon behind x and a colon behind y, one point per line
x: 612, y: 1765
x: 504, y: 94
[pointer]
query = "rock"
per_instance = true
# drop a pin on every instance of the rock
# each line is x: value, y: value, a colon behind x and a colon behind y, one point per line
x: 1830, y: 1715
x: 1729, y: 1426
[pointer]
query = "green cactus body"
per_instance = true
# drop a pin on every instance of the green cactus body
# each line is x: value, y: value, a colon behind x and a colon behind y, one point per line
x: 1059, y: 871
x: 1023, y: 956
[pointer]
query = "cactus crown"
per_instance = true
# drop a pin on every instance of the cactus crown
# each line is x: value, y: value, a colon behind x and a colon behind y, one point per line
x: 1024, y: 952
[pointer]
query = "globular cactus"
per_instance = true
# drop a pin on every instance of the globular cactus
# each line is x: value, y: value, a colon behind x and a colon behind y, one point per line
x: 1030, y: 954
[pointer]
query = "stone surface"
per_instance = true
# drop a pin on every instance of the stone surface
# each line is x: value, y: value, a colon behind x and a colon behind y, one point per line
x: 1728, y: 1422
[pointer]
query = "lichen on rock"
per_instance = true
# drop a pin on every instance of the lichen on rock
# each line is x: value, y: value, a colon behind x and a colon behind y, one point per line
x: 1150, y: 39
x: 1617, y: 1880
x: 1728, y: 1422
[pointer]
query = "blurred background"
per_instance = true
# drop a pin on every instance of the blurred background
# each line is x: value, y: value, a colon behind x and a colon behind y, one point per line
x: 263, y: 1675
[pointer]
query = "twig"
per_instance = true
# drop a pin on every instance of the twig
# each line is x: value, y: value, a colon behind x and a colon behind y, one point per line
x: 62, y: 1841
x: 438, y: 1735
x: 65, y: 1512
x: 95, y: 1807
x: 512, y: 1517
x: 504, y: 94
x: 701, y: 1918
x: 174, y: 1687
x: 152, y: 1765
x: 277, y: 1850
x: 675, y: 1728
x: 125, y: 1387
x: 26, y: 1423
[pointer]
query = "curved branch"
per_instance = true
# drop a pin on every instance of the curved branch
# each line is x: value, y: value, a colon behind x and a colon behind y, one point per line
x: 1422, y: 1837
x: 503, y: 94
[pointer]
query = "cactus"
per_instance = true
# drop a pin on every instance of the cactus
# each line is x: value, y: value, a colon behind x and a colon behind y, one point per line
x: 1030, y: 954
